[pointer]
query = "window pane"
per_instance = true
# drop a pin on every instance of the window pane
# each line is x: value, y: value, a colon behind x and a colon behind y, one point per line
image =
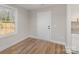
x: 7, y: 21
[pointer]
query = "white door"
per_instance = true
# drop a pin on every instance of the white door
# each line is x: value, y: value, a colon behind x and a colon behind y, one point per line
x: 44, y: 24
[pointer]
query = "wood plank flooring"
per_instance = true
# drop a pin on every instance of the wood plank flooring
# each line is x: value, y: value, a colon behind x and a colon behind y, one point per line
x: 35, y: 46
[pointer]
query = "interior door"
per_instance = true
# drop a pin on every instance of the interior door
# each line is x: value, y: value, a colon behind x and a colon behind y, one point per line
x: 44, y: 24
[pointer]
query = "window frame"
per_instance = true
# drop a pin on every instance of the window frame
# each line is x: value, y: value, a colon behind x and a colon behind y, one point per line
x: 15, y: 13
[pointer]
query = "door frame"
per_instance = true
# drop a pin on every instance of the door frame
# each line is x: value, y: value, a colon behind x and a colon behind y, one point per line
x: 68, y: 44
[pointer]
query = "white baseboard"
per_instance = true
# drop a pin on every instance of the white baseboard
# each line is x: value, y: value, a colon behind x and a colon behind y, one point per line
x: 58, y: 42
x: 3, y: 48
x: 48, y: 40
x: 68, y: 50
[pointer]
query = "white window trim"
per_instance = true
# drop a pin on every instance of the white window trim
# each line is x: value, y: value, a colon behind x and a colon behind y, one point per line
x: 16, y: 25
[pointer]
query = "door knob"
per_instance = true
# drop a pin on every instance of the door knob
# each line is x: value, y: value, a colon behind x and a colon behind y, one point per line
x: 48, y: 28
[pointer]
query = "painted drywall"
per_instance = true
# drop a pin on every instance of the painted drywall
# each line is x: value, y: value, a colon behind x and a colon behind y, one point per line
x: 59, y: 15
x: 22, y: 26
x: 32, y: 23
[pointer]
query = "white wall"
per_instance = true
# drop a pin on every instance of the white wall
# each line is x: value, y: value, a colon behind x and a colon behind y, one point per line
x: 22, y: 16
x: 32, y: 23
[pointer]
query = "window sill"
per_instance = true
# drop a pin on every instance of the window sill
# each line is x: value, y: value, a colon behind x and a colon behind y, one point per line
x: 7, y: 35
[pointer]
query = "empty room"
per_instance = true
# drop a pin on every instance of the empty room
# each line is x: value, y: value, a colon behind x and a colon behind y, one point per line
x: 39, y: 28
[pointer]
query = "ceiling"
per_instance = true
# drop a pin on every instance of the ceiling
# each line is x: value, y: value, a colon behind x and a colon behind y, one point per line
x: 34, y: 6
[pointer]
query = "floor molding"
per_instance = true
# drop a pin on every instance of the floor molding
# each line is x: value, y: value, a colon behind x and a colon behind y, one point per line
x: 26, y: 37
x: 68, y: 50
x: 31, y: 36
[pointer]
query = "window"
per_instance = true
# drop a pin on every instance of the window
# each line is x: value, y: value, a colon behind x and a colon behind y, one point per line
x: 7, y: 20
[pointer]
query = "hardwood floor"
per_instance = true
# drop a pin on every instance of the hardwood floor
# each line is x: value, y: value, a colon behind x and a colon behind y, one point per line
x: 35, y: 46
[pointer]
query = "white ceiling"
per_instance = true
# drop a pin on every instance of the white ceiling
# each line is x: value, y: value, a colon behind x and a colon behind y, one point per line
x: 34, y: 6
